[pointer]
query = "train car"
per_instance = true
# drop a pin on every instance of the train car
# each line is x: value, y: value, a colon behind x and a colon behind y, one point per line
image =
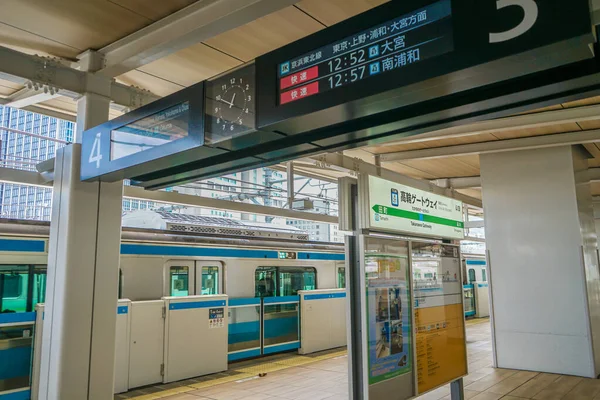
x: 181, y: 255
x: 166, y: 254
x: 476, y: 287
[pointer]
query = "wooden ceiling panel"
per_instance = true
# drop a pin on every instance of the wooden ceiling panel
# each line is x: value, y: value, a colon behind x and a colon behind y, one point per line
x: 476, y: 193
x: 158, y: 86
x: 69, y: 106
x: 330, y: 12
x: 191, y: 65
x: 78, y: 24
x: 29, y: 43
x: 396, y: 147
x: 586, y: 125
x: 543, y: 109
x: 486, y: 137
x: 7, y: 87
x: 471, y: 160
x: 265, y: 34
x: 544, y: 130
x: 408, y: 171
x: 585, y: 102
x: 451, y: 167
x: 153, y: 9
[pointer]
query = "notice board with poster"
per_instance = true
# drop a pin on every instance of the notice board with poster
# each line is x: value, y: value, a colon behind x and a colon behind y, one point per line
x: 439, y: 317
x: 390, y: 366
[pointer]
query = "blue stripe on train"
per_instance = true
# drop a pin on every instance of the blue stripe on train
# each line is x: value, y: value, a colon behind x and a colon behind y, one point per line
x: 321, y: 256
x: 39, y: 246
x: 33, y: 246
x: 476, y: 262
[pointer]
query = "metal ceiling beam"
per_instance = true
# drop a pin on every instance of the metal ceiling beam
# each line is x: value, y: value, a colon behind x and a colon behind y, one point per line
x: 46, y: 72
x: 305, y: 174
x: 468, y: 182
x: 45, y: 111
x: 354, y: 166
x: 535, y: 120
x: 471, y: 182
x: 29, y: 96
x: 199, y: 21
x: 527, y: 143
x: 9, y: 175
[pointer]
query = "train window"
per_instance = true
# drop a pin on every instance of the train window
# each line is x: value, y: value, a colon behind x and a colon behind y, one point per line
x: 210, y: 280
x: 472, y: 277
x: 12, y: 286
x: 483, y: 275
x: 179, y: 279
x: 284, y: 281
x: 16, y: 285
x: 39, y: 285
x: 341, y: 278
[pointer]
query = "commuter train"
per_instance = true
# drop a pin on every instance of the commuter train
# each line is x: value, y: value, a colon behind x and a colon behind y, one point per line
x: 191, y: 255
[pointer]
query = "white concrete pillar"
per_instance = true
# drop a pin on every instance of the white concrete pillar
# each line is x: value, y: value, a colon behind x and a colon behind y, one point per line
x: 80, y: 315
x: 543, y: 262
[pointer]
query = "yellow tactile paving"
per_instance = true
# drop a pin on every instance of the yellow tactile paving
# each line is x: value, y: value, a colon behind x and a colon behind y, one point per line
x: 477, y: 321
x: 244, y: 372
x: 219, y: 381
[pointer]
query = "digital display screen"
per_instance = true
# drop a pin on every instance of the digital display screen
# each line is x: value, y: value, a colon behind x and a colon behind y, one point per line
x: 147, y: 133
x: 286, y: 255
x: 393, y: 45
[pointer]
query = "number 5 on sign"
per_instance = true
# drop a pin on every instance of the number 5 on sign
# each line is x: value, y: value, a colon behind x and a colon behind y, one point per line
x: 530, y: 8
x: 96, y: 154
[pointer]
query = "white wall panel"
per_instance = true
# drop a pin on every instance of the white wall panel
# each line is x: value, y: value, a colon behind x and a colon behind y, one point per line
x: 534, y: 238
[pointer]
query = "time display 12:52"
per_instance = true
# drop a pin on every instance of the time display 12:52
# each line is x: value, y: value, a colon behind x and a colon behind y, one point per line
x: 340, y: 69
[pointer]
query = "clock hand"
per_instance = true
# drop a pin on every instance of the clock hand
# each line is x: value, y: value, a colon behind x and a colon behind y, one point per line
x: 226, y: 102
x: 232, y: 100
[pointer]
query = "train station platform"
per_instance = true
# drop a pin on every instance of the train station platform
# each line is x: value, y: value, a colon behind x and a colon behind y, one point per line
x: 324, y: 376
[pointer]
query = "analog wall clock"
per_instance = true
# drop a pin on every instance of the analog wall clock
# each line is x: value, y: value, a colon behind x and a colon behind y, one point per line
x: 230, y: 105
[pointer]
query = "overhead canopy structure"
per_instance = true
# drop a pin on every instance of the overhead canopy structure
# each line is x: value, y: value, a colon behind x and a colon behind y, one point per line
x: 161, y: 48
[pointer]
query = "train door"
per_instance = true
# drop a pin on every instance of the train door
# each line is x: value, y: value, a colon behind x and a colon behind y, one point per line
x: 209, y: 277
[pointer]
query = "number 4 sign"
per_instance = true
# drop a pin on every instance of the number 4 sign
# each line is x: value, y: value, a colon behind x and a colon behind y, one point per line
x: 530, y: 9
x: 96, y: 153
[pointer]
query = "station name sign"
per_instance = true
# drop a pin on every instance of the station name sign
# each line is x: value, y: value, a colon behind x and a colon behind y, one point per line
x: 398, y: 208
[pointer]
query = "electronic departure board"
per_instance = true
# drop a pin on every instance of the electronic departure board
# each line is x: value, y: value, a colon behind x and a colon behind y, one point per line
x: 406, y: 40
x: 360, y: 77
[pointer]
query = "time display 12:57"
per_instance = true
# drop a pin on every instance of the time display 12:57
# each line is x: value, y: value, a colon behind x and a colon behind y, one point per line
x: 341, y: 71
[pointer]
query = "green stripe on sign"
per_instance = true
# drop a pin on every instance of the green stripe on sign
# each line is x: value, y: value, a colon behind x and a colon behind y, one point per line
x: 394, y: 212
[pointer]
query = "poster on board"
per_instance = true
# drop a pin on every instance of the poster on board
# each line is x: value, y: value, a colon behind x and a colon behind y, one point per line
x: 439, y: 316
x: 403, y: 209
x: 389, y: 317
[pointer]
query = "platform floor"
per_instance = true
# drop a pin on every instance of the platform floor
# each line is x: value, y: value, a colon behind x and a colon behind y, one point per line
x: 324, y: 376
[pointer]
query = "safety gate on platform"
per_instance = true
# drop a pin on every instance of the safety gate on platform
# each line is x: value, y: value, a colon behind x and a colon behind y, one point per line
x: 16, y: 343
x: 263, y: 326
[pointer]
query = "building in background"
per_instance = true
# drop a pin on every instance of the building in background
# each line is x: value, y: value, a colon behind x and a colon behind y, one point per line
x: 27, y: 138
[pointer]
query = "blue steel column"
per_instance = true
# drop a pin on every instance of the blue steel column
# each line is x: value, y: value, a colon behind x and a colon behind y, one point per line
x: 78, y: 347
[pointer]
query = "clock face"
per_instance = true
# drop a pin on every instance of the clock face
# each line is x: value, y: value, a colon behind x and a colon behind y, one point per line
x: 230, y: 105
